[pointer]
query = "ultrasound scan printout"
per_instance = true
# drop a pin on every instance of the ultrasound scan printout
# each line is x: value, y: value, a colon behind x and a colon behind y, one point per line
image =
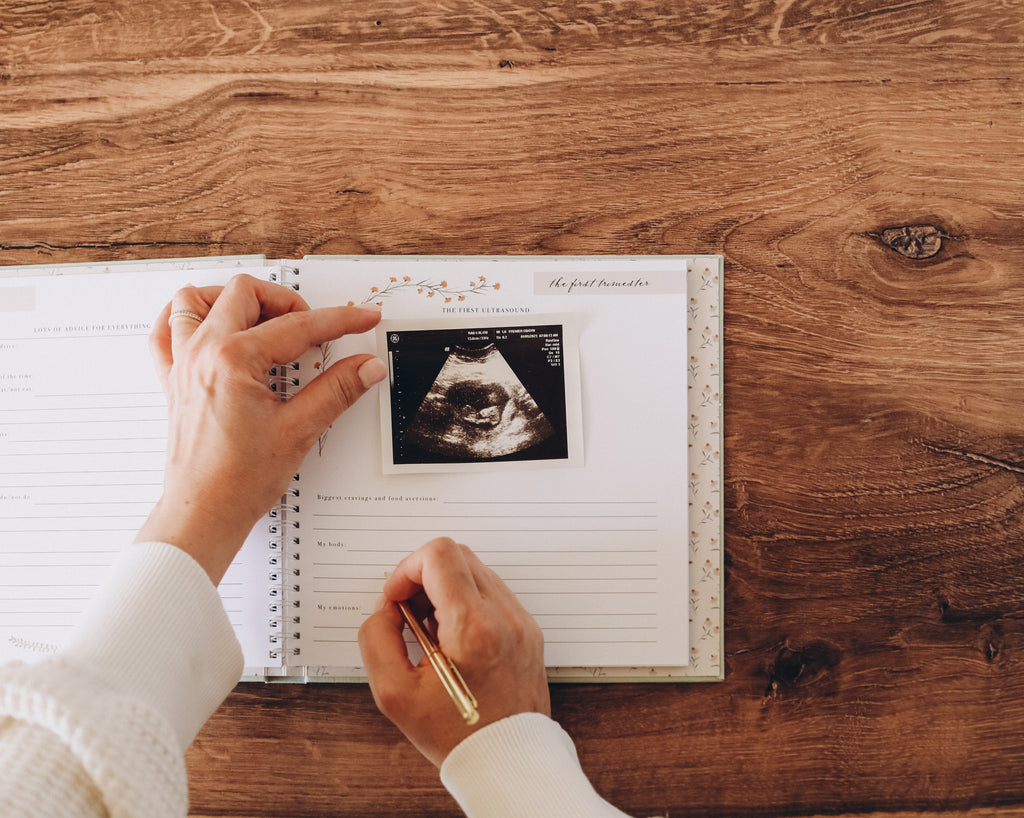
x: 465, y: 397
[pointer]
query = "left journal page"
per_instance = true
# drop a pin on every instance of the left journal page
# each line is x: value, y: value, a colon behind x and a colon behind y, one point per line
x: 82, y: 434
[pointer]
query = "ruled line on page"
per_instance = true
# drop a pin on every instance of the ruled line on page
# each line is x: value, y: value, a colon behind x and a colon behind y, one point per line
x: 83, y: 408
x: 516, y: 516
x: 610, y: 642
x: 387, y: 566
x: 79, y: 454
x: 67, y: 565
x: 135, y: 516
x: 47, y: 585
x: 82, y: 422
x: 88, y: 440
x: 91, y: 471
x: 550, y: 502
x: 582, y: 550
x: 81, y: 336
x: 95, y: 502
x: 77, y: 529
x: 44, y: 599
x: 90, y: 484
x: 134, y: 394
x: 503, y: 530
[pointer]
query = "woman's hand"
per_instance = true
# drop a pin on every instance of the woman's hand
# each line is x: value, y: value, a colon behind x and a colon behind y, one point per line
x: 233, y: 444
x: 480, y: 626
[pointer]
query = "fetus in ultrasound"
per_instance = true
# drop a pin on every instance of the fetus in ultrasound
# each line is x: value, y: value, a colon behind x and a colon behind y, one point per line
x: 478, y: 404
x: 477, y: 409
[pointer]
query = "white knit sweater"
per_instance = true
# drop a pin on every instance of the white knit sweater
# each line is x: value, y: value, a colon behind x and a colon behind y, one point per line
x: 102, y: 728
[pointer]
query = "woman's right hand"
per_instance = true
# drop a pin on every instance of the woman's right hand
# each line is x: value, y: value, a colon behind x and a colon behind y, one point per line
x: 480, y: 625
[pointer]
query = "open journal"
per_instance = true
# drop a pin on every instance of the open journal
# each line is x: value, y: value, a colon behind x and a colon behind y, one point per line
x: 561, y: 415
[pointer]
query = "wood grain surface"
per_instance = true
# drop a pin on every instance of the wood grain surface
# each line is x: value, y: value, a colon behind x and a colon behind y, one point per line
x: 860, y: 165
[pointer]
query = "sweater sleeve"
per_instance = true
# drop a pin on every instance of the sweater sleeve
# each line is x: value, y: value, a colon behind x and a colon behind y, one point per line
x: 109, y: 718
x: 525, y: 765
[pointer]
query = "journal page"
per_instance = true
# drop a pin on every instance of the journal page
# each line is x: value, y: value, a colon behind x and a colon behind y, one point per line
x: 82, y: 433
x: 535, y: 411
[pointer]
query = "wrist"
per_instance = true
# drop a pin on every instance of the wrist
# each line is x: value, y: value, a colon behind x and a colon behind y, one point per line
x: 210, y: 538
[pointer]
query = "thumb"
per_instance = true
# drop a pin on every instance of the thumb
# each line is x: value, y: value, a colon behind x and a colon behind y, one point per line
x: 386, y: 658
x: 323, y: 399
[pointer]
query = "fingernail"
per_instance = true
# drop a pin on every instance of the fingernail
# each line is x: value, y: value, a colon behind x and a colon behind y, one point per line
x: 373, y: 371
x: 381, y: 603
x: 369, y: 307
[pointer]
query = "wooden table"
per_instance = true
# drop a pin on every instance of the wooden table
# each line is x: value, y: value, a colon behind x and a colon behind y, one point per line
x: 861, y: 167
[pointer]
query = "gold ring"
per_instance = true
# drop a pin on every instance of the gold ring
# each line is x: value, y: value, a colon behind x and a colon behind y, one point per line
x: 184, y: 314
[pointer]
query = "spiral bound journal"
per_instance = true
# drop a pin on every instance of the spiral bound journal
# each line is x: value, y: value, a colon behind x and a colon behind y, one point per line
x: 559, y: 414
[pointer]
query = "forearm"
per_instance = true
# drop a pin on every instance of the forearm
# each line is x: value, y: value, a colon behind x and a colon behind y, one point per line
x: 107, y: 721
x: 158, y: 633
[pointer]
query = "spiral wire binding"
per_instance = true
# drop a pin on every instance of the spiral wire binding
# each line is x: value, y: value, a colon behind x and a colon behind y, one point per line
x: 284, y: 573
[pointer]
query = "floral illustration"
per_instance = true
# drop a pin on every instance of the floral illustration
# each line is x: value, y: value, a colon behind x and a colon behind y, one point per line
x: 320, y: 366
x: 709, y: 571
x: 442, y: 290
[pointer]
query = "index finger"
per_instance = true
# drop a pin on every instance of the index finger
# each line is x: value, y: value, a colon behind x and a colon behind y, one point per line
x: 441, y: 569
x: 286, y: 337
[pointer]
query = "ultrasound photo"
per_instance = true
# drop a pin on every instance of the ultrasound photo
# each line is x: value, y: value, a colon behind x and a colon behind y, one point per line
x: 478, y: 394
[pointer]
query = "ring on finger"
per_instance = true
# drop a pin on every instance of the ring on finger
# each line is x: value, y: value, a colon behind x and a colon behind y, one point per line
x: 184, y: 314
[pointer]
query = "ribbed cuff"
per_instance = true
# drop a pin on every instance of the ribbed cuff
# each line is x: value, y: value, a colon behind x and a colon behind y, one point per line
x: 128, y: 750
x: 525, y: 765
x: 157, y: 632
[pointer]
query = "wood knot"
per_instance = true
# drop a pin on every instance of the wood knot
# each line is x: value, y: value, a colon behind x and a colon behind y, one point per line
x: 991, y: 642
x: 802, y: 665
x: 916, y: 241
x: 992, y: 649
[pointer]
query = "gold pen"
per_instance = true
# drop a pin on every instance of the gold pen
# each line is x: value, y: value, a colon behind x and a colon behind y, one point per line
x: 446, y: 671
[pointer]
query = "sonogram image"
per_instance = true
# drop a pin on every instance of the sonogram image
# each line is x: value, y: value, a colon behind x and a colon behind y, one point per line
x: 480, y: 394
x: 478, y: 408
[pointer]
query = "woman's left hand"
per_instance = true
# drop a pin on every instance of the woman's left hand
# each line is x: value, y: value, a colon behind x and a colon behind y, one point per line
x: 233, y: 444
